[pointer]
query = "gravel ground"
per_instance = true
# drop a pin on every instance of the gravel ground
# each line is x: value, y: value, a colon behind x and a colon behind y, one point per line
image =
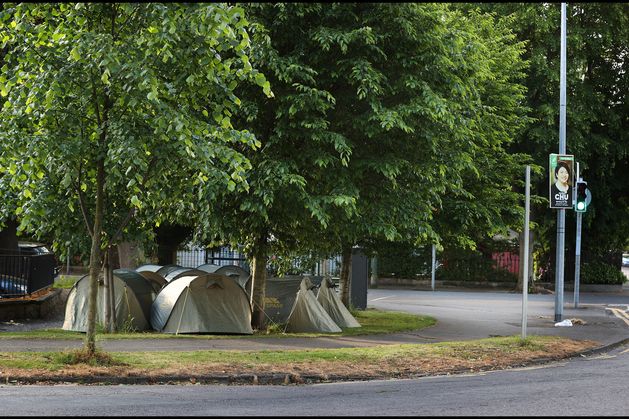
x: 25, y: 325
x: 53, y: 321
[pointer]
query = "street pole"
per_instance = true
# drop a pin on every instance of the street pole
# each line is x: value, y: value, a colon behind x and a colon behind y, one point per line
x: 525, y: 271
x: 433, y: 259
x: 561, y: 213
x: 577, y: 262
x: 577, y: 249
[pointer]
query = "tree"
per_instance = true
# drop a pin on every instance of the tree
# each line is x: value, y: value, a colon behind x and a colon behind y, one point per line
x: 380, y: 110
x: 597, y: 118
x: 425, y: 100
x: 118, y: 117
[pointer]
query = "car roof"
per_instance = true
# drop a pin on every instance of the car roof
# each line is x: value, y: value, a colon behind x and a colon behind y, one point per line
x: 30, y: 244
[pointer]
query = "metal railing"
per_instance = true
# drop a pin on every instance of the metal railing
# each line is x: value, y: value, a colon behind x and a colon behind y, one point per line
x: 21, y: 275
x: 192, y: 257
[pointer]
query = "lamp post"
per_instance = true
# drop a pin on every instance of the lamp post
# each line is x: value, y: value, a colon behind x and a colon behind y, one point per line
x: 561, y: 213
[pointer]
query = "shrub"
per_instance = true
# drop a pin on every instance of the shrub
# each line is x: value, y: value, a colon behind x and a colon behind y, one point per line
x: 601, y: 273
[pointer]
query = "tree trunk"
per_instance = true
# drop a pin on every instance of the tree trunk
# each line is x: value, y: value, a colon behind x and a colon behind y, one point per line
x: 130, y: 255
x: 258, y: 278
x: 95, y: 260
x: 345, y: 279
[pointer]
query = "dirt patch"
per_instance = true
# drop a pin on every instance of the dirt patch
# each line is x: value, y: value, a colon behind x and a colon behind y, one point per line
x: 411, y: 364
x: 32, y: 296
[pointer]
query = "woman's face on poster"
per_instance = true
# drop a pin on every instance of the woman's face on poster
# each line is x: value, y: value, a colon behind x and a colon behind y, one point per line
x: 562, y: 175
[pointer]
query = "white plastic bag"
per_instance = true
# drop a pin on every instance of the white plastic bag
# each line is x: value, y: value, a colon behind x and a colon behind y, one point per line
x: 566, y: 322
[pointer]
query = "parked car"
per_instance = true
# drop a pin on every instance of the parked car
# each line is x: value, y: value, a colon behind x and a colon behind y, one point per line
x: 625, y: 259
x: 10, y: 286
x: 37, y: 249
x: 28, y: 248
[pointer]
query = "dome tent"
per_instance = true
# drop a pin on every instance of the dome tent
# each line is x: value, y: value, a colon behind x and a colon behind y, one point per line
x: 133, y: 297
x: 208, y: 267
x: 332, y: 304
x: 148, y: 268
x: 208, y: 303
x: 179, y: 272
x: 166, y: 269
x: 235, y: 272
x: 307, y: 315
x: 157, y: 281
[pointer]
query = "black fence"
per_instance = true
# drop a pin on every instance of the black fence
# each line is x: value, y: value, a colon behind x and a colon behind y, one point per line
x: 21, y: 275
x: 193, y: 257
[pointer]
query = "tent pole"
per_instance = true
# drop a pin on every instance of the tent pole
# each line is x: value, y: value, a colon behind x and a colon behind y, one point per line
x: 183, y: 309
x: 126, y: 297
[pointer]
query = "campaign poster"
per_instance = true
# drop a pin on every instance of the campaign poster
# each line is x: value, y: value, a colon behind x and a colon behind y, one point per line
x: 561, y: 180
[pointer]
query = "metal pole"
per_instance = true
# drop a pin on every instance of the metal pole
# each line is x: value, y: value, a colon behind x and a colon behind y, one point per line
x: 434, y: 257
x: 561, y: 213
x: 525, y: 270
x: 577, y: 262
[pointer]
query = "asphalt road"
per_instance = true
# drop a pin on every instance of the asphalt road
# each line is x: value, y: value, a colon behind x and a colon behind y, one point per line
x: 594, y: 385
x: 477, y: 315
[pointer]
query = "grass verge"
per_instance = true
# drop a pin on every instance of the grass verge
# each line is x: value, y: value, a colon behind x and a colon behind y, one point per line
x: 372, y: 322
x: 385, y: 361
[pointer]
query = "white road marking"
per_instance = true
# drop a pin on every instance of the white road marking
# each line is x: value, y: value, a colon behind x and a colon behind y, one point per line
x: 620, y: 314
x: 382, y: 298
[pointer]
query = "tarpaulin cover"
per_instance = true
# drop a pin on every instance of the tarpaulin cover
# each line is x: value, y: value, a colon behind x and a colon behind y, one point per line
x: 332, y: 304
x: 280, y: 294
x: 307, y: 315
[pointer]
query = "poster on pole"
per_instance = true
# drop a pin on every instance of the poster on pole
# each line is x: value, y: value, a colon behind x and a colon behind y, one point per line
x: 561, y: 178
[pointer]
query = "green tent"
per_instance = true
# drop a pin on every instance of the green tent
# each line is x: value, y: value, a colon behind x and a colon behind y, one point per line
x: 133, y: 297
x: 208, y: 303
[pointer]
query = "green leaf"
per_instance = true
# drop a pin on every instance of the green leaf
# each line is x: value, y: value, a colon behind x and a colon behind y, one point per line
x: 74, y: 53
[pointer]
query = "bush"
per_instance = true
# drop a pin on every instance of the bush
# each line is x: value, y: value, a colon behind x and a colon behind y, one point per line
x: 601, y: 273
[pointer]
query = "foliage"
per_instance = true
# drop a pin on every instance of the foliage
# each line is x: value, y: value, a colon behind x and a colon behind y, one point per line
x: 597, y: 120
x: 488, y: 199
x: 65, y: 281
x: 404, y: 261
x: 382, y: 114
x: 601, y: 273
x: 469, y: 265
x: 118, y: 117
x: 148, y: 88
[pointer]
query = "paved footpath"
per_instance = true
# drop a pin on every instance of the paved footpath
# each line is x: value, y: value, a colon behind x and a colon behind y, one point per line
x: 460, y: 316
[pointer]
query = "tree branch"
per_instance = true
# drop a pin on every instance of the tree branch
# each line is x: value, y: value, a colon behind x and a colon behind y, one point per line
x: 133, y: 210
x: 82, y: 203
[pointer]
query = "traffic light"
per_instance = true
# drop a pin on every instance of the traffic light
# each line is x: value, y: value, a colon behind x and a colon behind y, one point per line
x: 580, y: 204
